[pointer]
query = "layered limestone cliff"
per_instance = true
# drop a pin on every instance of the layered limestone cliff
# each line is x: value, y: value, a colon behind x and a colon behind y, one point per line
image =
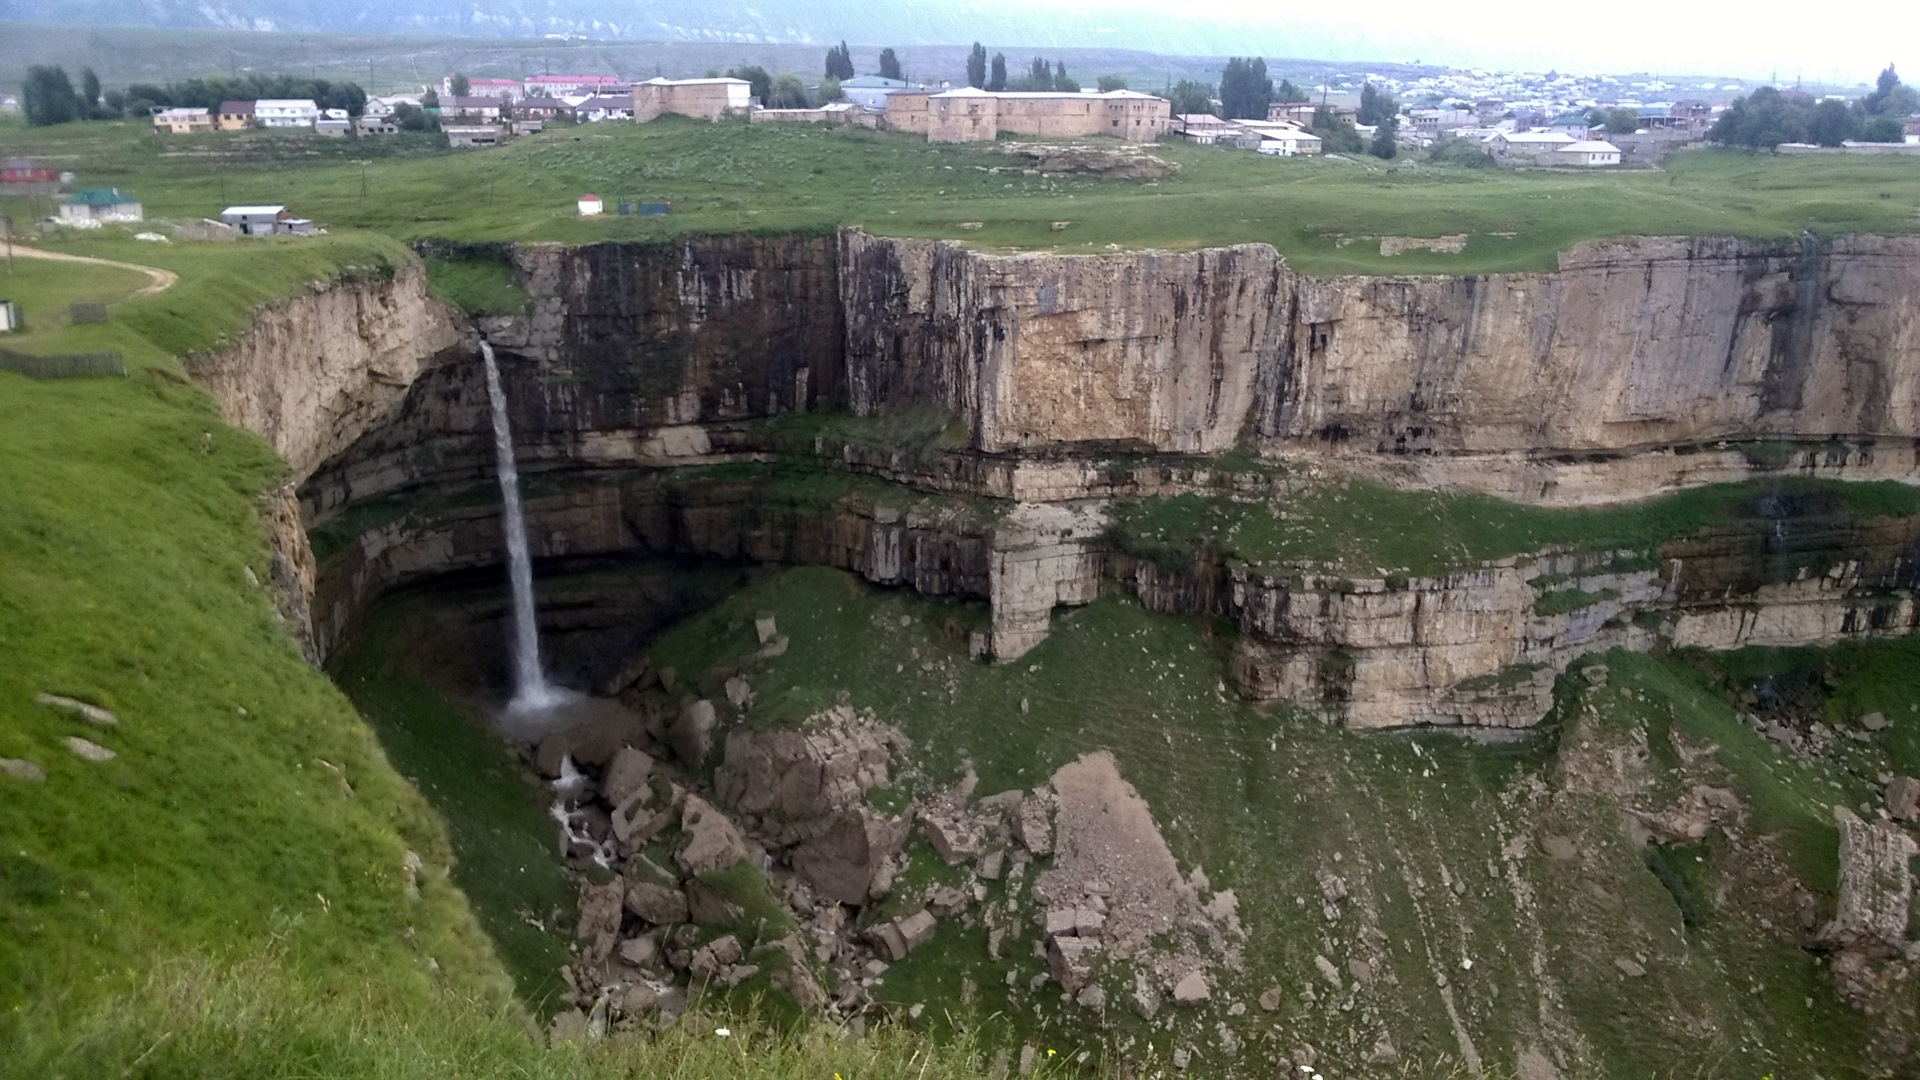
x: 1636, y: 367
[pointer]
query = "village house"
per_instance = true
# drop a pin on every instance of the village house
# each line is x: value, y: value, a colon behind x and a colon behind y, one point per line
x: 1282, y: 140
x: 286, y: 112
x: 702, y: 99
x: 569, y: 85
x: 1573, y: 125
x: 493, y: 88
x: 1587, y: 153
x: 604, y: 107
x: 234, y: 115
x: 462, y: 136
x: 471, y: 108
x: 1205, y: 129
x: 1527, y: 147
x: 870, y: 90
x: 264, y: 221
x: 95, y: 205
x: 1302, y: 112
x: 25, y: 176
x: 973, y: 115
x: 543, y: 108
x: 371, y: 124
x: 183, y: 121
x: 333, y: 127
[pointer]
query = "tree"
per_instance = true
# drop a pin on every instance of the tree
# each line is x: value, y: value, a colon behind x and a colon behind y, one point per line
x: 1109, y: 83
x: 90, y: 92
x: 1622, y: 121
x: 1062, y: 82
x: 1385, y: 143
x: 429, y: 100
x: 1245, y: 89
x: 1761, y: 121
x: 1039, y: 75
x: 1833, y: 123
x: 839, y: 62
x: 1376, y: 105
x: 1336, y: 134
x: 1461, y: 152
x: 1289, y: 92
x: 998, y: 80
x: 49, y: 96
x: 410, y: 117
x: 460, y: 84
x: 977, y: 66
x: 787, y: 92
x: 760, y: 83
x: 1883, y: 129
x: 890, y: 65
x: 1891, y: 97
x: 830, y: 91
x: 1190, y: 98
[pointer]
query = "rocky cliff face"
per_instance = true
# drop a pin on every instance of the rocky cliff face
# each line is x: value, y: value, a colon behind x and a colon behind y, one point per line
x: 1637, y: 366
x: 318, y: 371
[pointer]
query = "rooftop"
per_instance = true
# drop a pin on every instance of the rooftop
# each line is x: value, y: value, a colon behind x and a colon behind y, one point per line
x: 99, y: 197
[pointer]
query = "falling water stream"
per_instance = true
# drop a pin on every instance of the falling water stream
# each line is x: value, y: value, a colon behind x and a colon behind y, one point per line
x: 531, y: 691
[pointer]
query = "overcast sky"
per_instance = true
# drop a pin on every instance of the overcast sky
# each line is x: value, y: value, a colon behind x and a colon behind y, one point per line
x: 1849, y: 42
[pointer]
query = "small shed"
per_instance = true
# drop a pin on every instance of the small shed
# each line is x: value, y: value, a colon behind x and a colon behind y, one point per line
x: 333, y: 129
x: 99, y: 204
x: 259, y: 220
x: 9, y: 316
x: 591, y: 205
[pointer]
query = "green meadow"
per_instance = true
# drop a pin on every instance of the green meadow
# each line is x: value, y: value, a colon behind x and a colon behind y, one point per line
x: 1324, y: 215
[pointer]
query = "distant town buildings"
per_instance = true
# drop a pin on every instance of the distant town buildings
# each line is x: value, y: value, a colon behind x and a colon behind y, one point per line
x: 974, y: 115
x: 264, y: 221
x: 234, y: 115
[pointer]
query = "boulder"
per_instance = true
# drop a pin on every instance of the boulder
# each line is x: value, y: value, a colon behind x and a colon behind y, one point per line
x: 22, y: 769
x: 738, y: 692
x: 1091, y: 997
x: 917, y: 928
x: 792, y: 779
x: 626, y: 775
x: 637, y: 1000
x: 1876, y: 888
x: 847, y: 862
x: 657, y: 904
x: 691, y: 733
x: 887, y: 939
x: 764, y: 628
x: 599, y: 923
x: 88, y: 749
x: 1070, y: 961
x: 1903, y: 799
x: 80, y: 710
x: 713, y: 842
x: 640, y: 951
x: 799, y: 984
x: 1192, y: 989
x: 955, y: 834
x: 710, y: 959
x: 1033, y: 825
x: 1874, y: 721
x: 1270, y: 999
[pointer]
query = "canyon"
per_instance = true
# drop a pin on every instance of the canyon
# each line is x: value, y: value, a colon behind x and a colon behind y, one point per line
x: 748, y: 398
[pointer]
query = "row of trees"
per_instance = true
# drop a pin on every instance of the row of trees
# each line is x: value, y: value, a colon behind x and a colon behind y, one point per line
x: 983, y: 74
x: 1766, y: 118
x: 50, y: 97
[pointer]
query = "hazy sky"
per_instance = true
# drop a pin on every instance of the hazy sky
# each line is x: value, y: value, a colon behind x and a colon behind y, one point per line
x: 1753, y: 39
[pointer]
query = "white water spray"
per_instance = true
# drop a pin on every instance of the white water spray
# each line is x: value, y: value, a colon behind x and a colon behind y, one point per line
x: 531, y: 691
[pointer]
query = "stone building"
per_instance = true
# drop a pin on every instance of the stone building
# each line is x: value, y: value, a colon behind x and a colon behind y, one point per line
x: 971, y: 115
x: 703, y: 99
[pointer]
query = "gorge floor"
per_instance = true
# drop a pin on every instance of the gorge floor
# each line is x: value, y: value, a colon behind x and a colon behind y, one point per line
x: 1471, y: 902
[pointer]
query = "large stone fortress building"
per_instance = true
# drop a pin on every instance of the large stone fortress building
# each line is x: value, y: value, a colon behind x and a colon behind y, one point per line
x: 970, y: 115
x: 703, y: 99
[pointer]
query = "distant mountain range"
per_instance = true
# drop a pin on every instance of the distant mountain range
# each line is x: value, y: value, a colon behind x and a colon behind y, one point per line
x: 795, y: 21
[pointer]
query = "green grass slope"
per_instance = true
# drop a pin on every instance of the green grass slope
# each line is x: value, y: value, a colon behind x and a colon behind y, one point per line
x: 1325, y: 215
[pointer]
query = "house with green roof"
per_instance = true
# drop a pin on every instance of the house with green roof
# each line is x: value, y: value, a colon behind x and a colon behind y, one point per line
x: 92, y: 206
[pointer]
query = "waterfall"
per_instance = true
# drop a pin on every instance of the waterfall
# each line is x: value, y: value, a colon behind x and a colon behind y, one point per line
x: 530, y: 688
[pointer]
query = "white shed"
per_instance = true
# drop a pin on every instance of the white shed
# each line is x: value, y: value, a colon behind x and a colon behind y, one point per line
x: 591, y: 205
x: 1587, y: 153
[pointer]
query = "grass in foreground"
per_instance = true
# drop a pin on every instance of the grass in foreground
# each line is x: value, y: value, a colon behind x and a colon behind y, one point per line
x: 1325, y: 215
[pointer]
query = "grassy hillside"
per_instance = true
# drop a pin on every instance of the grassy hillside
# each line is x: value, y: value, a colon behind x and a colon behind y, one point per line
x: 1326, y: 216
